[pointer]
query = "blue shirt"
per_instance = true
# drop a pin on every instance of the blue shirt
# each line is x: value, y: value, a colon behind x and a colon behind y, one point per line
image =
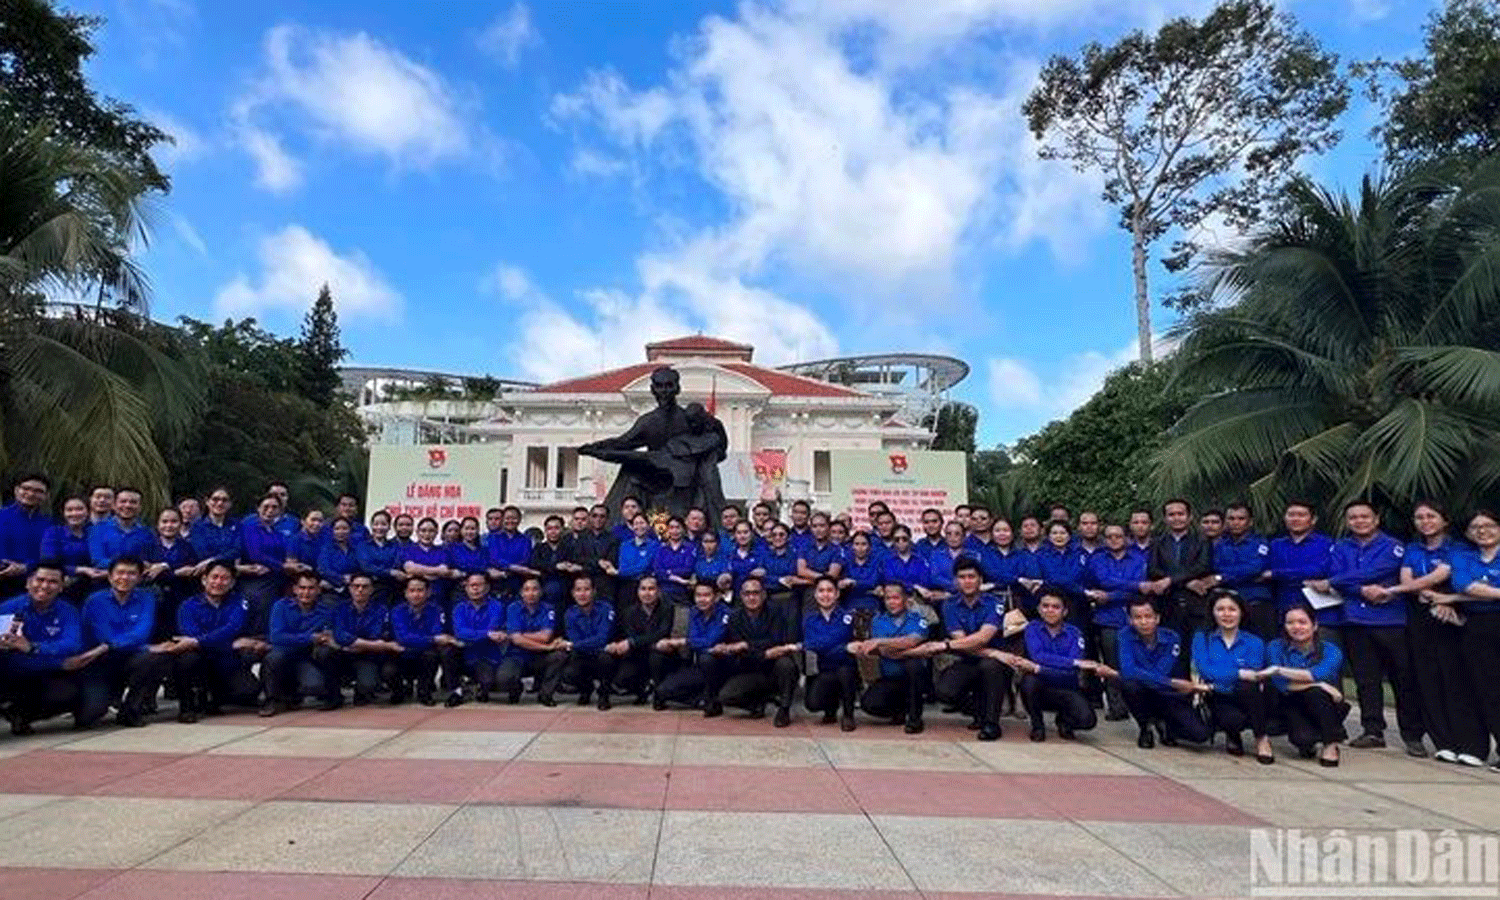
x: 108, y: 542
x: 1121, y: 579
x: 285, y: 525
x: 336, y: 562
x: 178, y: 556
x: 820, y: 559
x: 940, y: 566
x: 1326, y: 669
x: 1220, y: 665
x: 123, y: 626
x: 414, y: 629
x: 708, y: 568
x: 262, y: 545
x: 960, y: 617
x: 467, y: 559
x: 217, y: 541
x: 636, y: 559
x: 1055, y: 653
x: 885, y: 625
x: 370, y: 624
x: 1062, y: 568
x: 1292, y: 562
x: 378, y: 560
x: 910, y: 572
x: 741, y: 564
x: 1469, y: 568
x: 1153, y: 665
x: 706, y: 628
x: 472, y: 624
x: 507, y: 550
x: 214, y: 627
x: 925, y: 546
x: 866, y: 578
x: 55, y: 634
x: 21, y: 533
x: 778, y: 565
x: 677, y: 561
x: 828, y: 637
x: 1422, y: 559
x: 800, y: 541
x: 1240, y: 564
x: 520, y: 620
x: 292, y: 626
x: 1001, y: 567
x: 589, y: 629
x: 1376, y: 561
x: 61, y: 545
x: 304, y: 548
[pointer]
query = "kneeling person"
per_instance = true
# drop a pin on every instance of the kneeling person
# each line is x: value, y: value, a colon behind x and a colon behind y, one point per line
x: 977, y: 679
x: 479, y: 623
x: 646, y: 624
x: 418, y: 627
x: 44, y: 634
x: 530, y: 625
x: 1150, y: 658
x: 1054, y: 649
x: 826, y: 634
x: 209, y: 671
x: 301, y: 654
x: 762, y: 664
x: 580, y: 657
x: 697, y: 682
x: 362, y: 631
x: 896, y: 635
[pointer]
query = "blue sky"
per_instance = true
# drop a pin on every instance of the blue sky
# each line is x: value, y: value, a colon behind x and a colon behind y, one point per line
x: 534, y: 190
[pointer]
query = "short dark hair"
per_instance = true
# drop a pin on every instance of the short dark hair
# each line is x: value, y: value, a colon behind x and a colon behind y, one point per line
x: 36, y: 476
x: 127, y: 560
x: 1143, y: 601
x: 222, y: 564
x: 52, y: 564
x: 966, y: 564
x: 300, y: 577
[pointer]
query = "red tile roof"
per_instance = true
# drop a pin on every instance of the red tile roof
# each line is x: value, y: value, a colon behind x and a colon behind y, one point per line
x: 781, y: 384
x: 610, y: 382
x: 698, y: 342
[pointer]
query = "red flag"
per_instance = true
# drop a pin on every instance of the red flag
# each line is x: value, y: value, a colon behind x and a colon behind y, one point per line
x: 713, y: 391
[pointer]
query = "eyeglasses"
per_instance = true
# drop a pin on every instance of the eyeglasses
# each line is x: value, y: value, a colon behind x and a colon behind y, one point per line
x: 218, y: 499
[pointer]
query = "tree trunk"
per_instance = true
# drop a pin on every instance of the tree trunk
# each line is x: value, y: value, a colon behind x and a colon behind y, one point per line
x: 1142, y: 298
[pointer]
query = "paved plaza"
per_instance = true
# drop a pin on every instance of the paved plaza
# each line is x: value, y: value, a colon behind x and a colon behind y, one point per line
x: 525, y: 802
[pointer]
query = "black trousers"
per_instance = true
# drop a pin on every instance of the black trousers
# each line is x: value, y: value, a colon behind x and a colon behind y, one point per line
x: 641, y: 668
x: 1313, y: 717
x: 289, y: 673
x: 514, y: 668
x: 1244, y: 707
x: 137, y: 673
x: 789, y: 603
x: 1261, y: 620
x: 34, y: 696
x: 694, y: 682
x: 1449, y: 706
x: 832, y: 690
x: 369, y: 671
x: 1174, y: 711
x: 1072, y: 708
x: 260, y: 593
x: 422, y: 666
x: 1109, y: 654
x: 209, y: 676
x: 977, y: 683
x: 761, y: 681
x: 1481, y: 646
x: 584, y: 668
x: 1193, y: 616
x: 1377, y: 654
x: 897, y: 696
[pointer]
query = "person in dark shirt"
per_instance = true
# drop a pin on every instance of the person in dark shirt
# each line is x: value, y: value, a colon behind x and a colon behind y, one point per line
x: 896, y: 635
x: 643, y: 626
x: 1178, y: 569
x: 763, y: 664
x: 551, y: 562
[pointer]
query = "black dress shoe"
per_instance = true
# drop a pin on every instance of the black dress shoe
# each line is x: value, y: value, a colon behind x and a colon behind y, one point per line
x: 548, y: 700
x: 1117, y: 715
x: 1145, y: 741
x: 584, y: 699
x: 1038, y: 734
x: 757, y: 712
x: 846, y: 722
x: 1234, y: 745
x: 272, y: 708
x: 989, y: 733
x: 914, y: 726
x: 1065, y: 731
x: 454, y: 699
x: 1368, y: 741
x: 783, y: 717
x: 830, y: 716
x: 185, y: 716
x: 715, y: 709
x: 1165, y: 734
x: 658, y: 704
x: 604, y: 703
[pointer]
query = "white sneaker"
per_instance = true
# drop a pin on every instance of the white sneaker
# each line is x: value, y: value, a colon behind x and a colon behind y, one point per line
x: 1468, y: 759
x: 1446, y: 756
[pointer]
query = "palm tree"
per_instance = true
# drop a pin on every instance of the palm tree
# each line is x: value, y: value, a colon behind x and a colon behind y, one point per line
x: 1360, y: 357
x: 92, y: 394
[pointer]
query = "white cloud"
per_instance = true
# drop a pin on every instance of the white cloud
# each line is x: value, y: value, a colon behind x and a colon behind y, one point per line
x: 294, y: 263
x: 350, y: 90
x: 1068, y: 383
x: 188, y: 234
x: 188, y: 143
x: 591, y: 163
x: 509, y: 34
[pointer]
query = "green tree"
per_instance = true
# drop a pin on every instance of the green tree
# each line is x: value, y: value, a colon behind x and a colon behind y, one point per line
x: 1100, y: 457
x: 953, y: 426
x: 42, y: 54
x: 1361, y: 355
x: 1443, y: 103
x: 320, y: 350
x: 1201, y: 121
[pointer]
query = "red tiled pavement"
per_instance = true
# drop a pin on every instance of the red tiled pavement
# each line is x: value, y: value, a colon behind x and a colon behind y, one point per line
x: 76, y: 772
x: 497, y: 718
x: 1129, y: 798
x: 750, y: 789
x: 143, y: 884
x: 219, y: 778
x: 49, y: 884
x: 980, y: 794
x: 614, y: 785
x: 399, y: 781
x: 457, y: 889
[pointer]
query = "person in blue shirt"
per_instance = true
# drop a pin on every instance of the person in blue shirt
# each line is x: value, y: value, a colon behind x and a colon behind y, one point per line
x: 67, y: 544
x: 941, y: 559
x: 980, y: 526
x: 468, y: 554
x: 22, y: 525
x: 799, y: 536
x: 933, y: 533
x: 301, y: 659
x: 417, y: 626
x: 122, y: 534
x: 1229, y: 659
x: 635, y: 558
x: 379, y: 558
x: 1151, y: 678
x: 745, y: 558
x: 531, y: 627
x: 643, y: 662
x: 762, y: 663
x: 1242, y: 562
x: 1089, y: 539
x: 673, y: 564
x: 630, y: 507
x: 696, y: 521
x: 1476, y: 597
x: 906, y: 568
x: 1061, y: 566
x: 117, y: 624
x: 347, y: 508
x: 403, y: 527
x: 976, y: 680
x: 713, y: 563
x: 303, y: 546
x: 860, y: 578
x: 580, y: 658
x: 779, y: 560
x: 1000, y: 563
x: 1115, y: 576
x: 210, y: 673
x: 897, y: 634
x: 362, y: 632
x: 819, y: 557
x: 426, y: 559
x: 1140, y: 529
x: 34, y: 682
x: 826, y: 634
x: 696, y: 682
x: 262, y: 563
x: 1448, y: 696
x: 1299, y: 559
x: 1053, y: 665
x: 284, y: 523
x: 338, y: 561
x: 1364, y: 568
x: 216, y: 536
x: 1304, y: 670
x: 509, y: 550
x: 170, y: 562
x: 479, y: 624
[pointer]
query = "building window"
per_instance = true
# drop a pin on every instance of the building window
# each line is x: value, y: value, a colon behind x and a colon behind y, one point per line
x: 536, y: 467
x: 822, y: 472
x: 504, y: 486
x: 567, y: 468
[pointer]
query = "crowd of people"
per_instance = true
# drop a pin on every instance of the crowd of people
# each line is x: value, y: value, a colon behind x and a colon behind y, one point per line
x: 1190, y: 626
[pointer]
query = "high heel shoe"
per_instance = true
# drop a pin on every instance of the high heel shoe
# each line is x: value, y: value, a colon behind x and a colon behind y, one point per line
x: 1327, y: 763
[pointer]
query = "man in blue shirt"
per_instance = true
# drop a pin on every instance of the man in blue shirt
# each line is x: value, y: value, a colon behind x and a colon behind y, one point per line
x: 417, y: 626
x: 209, y: 671
x: 580, y: 658
x: 301, y: 659
x: 1300, y: 559
x: 362, y: 632
x: 21, y: 526
x: 117, y: 624
x: 479, y: 623
x: 1242, y: 561
x: 509, y: 550
x: 1151, y: 666
x: 932, y: 533
x: 1054, y: 661
x: 122, y: 534
x: 976, y: 680
x: 699, y: 680
x: 800, y: 536
x: 1363, y: 568
x: 1116, y: 576
x: 531, y: 626
x: 896, y: 633
x: 45, y: 633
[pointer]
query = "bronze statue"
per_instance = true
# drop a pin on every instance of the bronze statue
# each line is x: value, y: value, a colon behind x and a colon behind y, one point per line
x: 679, y: 465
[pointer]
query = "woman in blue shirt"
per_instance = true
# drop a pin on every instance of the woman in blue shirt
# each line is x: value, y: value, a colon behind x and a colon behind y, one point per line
x: 303, y: 547
x: 998, y: 561
x: 169, y: 564
x: 861, y: 578
x: 744, y: 559
x: 337, y: 561
x: 1304, y: 670
x: 1476, y: 581
x: 940, y: 562
x: 1436, y: 636
x: 425, y: 558
x: 1061, y: 566
x: 635, y: 558
x: 378, y: 558
x: 467, y: 555
x: 1230, y: 660
x: 673, y: 565
x: 713, y: 563
x: 67, y: 545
